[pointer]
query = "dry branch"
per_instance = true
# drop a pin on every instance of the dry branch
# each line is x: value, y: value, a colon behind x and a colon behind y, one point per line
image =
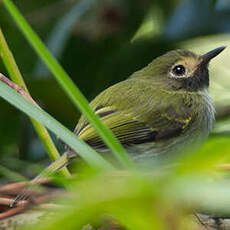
x: 18, y: 88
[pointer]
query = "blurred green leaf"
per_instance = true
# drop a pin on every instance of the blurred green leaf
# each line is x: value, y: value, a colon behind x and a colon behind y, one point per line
x: 61, y: 32
x: 152, y: 25
x: 140, y: 201
x: 98, y: 54
x: 67, y: 84
x: 41, y: 116
x: 9, y: 174
x: 213, y: 4
x: 213, y: 153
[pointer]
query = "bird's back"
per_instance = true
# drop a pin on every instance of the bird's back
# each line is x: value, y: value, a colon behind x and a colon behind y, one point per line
x: 149, y: 126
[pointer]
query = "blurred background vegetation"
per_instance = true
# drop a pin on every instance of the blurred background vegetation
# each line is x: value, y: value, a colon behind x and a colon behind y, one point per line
x: 100, y: 43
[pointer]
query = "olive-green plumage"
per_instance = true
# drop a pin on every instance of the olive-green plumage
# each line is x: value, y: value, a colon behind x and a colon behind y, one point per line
x: 158, y: 109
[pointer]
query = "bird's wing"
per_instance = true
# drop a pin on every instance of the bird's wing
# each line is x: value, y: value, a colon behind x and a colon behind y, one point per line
x: 133, y: 119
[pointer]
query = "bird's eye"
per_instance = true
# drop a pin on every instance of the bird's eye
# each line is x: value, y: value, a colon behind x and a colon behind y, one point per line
x: 179, y: 70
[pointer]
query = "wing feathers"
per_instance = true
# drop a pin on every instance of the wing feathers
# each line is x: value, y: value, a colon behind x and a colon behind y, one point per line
x: 127, y: 135
x: 130, y: 131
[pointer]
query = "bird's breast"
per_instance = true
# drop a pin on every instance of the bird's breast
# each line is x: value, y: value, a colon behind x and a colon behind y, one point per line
x: 196, y: 133
x: 205, y: 114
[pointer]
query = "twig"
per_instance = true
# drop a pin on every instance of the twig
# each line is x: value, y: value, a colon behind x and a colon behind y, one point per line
x: 16, y: 187
x: 18, y: 88
x: 11, y: 212
x: 7, y: 201
x: 16, y: 77
x: 63, y: 160
x: 200, y: 221
x: 6, y: 209
x: 46, y: 173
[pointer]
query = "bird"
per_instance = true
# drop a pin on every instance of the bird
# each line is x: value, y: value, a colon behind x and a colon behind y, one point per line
x: 159, y: 110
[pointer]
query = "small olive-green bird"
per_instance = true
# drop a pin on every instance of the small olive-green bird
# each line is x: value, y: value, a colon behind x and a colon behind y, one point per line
x: 158, y: 110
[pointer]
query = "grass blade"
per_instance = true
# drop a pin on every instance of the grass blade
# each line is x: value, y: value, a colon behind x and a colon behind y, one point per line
x: 67, y: 84
x: 86, y: 152
x: 16, y: 76
x: 61, y: 32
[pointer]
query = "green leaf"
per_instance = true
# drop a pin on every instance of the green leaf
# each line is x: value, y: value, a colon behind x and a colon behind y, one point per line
x: 87, y: 153
x: 15, y: 74
x: 67, y: 84
x: 61, y: 32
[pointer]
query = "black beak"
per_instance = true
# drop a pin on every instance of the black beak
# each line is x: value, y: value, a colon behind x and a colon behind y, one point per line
x: 211, y: 54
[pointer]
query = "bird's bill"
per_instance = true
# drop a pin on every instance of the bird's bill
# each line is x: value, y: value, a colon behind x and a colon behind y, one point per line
x: 211, y: 54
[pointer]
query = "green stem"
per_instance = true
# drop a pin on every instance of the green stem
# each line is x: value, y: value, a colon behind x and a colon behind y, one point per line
x: 16, y: 76
x: 85, y: 151
x: 67, y: 84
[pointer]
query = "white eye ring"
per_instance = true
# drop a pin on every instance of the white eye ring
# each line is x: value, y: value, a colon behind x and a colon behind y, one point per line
x: 178, y: 71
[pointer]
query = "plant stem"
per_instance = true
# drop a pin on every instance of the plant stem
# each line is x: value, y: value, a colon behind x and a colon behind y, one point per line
x: 67, y: 84
x: 85, y: 151
x: 16, y: 76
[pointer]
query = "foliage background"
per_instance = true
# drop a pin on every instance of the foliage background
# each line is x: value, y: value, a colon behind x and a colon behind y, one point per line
x: 100, y: 43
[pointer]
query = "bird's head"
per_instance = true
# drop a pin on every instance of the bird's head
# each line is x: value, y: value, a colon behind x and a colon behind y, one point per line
x: 182, y: 69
